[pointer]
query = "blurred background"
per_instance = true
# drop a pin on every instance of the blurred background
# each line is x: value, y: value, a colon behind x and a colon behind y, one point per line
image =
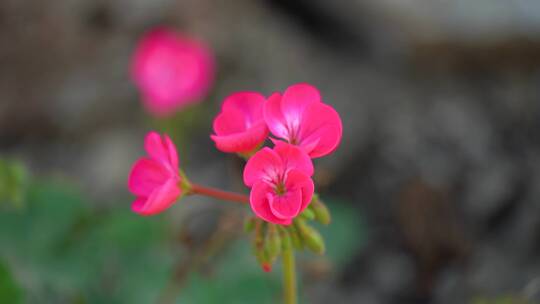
x: 433, y: 190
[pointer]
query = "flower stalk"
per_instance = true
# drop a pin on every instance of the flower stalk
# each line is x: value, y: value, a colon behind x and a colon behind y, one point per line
x: 289, y: 275
x: 219, y: 194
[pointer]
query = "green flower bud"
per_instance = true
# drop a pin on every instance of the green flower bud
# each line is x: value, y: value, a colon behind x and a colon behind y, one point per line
x: 296, y: 240
x: 322, y: 215
x: 308, y: 214
x: 286, y: 242
x: 312, y: 238
x: 258, y: 247
x: 273, y: 242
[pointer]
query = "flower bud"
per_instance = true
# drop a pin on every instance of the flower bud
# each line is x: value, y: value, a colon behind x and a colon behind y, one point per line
x: 263, y: 259
x: 258, y: 244
x: 296, y: 240
x: 308, y: 214
x: 286, y: 242
x: 312, y: 238
x: 322, y: 215
x: 266, y: 267
x: 273, y: 242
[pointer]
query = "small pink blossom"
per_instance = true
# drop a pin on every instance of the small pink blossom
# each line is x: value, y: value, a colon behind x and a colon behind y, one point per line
x: 155, y: 180
x: 301, y: 118
x: 240, y: 127
x: 171, y: 70
x: 280, y: 181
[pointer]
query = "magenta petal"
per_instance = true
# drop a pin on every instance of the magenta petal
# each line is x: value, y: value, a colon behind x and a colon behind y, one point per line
x: 321, y: 130
x: 242, y: 142
x: 259, y: 203
x: 296, y: 98
x: 153, y: 144
x: 240, y: 113
x: 229, y: 122
x: 294, y: 157
x: 286, y: 206
x: 300, y: 181
x: 160, y: 199
x: 162, y: 150
x: 249, y: 103
x: 264, y: 165
x: 146, y: 175
x: 172, y: 153
x: 274, y: 117
x: 138, y: 203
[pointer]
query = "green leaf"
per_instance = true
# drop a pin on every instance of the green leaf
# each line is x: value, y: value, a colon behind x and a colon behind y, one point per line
x: 13, y: 182
x: 10, y: 292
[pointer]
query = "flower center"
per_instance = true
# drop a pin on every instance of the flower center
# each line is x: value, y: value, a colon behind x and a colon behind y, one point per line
x: 293, y: 130
x: 280, y: 188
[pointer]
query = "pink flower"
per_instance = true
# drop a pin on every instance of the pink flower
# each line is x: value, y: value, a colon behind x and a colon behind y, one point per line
x: 240, y: 126
x: 280, y: 181
x: 171, y: 70
x: 300, y: 118
x: 155, y: 180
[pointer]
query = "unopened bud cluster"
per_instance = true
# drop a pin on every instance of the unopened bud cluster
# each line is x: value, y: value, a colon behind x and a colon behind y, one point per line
x: 270, y: 240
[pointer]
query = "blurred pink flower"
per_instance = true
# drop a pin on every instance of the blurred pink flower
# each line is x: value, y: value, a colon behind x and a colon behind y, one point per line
x: 171, y: 70
x: 155, y: 180
x: 301, y: 118
x: 240, y: 127
x: 280, y: 181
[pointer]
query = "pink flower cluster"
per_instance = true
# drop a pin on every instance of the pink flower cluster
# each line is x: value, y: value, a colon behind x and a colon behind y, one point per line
x: 304, y: 127
x: 280, y: 177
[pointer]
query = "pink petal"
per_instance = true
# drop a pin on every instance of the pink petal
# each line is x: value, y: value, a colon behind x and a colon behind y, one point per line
x: 296, y: 98
x: 146, y: 175
x: 153, y: 144
x: 286, y: 206
x: 294, y: 157
x: 229, y: 122
x: 249, y: 103
x: 258, y: 199
x: 162, y: 150
x: 300, y: 181
x: 264, y: 165
x: 138, y: 203
x: 173, y: 154
x: 160, y: 199
x: 242, y: 142
x: 274, y: 117
x: 321, y: 130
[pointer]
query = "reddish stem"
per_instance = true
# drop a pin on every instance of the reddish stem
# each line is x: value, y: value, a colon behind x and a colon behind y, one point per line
x: 219, y: 194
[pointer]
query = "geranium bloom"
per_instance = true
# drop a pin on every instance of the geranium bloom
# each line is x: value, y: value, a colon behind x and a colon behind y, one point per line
x: 301, y: 118
x: 171, y: 70
x: 240, y: 126
x: 280, y: 181
x: 155, y: 180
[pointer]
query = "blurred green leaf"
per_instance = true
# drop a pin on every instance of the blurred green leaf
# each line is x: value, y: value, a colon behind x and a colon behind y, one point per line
x: 346, y: 234
x: 13, y: 182
x: 237, y: 278
x: 10, y: 292
x: 70, y: 251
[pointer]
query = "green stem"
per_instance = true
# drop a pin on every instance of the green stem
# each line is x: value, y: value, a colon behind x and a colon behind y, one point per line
x: 289, y: 276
